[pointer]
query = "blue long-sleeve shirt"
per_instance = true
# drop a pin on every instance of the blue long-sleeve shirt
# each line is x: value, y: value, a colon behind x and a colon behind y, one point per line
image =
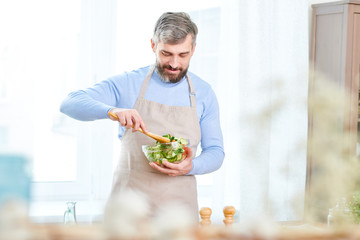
x: 122, y: 91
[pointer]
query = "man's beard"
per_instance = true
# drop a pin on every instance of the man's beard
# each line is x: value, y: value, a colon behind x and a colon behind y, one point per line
x: 168, y: 77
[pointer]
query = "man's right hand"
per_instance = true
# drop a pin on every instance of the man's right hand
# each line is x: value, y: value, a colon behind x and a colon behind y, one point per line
x: 129, y: 118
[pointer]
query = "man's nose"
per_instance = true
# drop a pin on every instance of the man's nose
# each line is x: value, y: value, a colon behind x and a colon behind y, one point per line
x: 174, y: 62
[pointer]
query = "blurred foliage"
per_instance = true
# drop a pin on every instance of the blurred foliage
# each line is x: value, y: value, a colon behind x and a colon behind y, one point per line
x: 354, y: 206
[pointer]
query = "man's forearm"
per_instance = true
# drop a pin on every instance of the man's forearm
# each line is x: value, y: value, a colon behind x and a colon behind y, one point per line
x: 208, y: 161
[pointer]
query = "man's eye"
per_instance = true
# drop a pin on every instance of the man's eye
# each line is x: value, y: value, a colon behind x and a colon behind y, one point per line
x: 165, y: 53
x: 183, y: 54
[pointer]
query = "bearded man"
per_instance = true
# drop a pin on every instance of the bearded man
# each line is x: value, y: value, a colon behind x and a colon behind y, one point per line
x: 167, y: 99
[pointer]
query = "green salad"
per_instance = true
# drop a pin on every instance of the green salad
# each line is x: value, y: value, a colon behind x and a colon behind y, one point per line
x: 172, y: 151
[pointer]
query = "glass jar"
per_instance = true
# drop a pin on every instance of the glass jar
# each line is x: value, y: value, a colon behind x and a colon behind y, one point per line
x: 331, y: 218
x: 70, y: 215
x: 339, y: 215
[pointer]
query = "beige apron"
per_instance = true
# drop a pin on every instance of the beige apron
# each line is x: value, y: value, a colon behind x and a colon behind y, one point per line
x: 133, y: 170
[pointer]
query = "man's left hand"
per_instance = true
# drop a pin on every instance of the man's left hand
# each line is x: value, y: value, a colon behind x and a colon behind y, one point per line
x: 176, y: 169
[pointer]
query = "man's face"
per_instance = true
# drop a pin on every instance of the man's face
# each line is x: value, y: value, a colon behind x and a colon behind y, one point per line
x: 172, y: 60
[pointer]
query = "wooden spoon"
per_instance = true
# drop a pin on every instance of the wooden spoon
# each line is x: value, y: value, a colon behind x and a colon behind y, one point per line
x: 152, y: 135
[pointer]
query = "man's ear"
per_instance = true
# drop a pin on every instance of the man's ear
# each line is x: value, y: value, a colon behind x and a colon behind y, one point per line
x: 193, y: 49
x: 153, y: 46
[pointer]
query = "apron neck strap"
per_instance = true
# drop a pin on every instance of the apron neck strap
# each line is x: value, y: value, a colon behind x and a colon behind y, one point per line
x: 147, y: 80
x: 192, y: 92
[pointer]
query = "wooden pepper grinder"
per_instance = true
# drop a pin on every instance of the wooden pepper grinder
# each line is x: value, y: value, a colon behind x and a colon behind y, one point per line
x: 205, y: 214
x: 229, y: 212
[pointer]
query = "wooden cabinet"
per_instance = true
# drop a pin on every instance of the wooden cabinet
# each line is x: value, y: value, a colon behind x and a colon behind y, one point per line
x: 335, y: 52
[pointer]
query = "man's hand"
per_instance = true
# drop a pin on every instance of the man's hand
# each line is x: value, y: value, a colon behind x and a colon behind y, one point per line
x: 176, y: 169
x: 129, y: 118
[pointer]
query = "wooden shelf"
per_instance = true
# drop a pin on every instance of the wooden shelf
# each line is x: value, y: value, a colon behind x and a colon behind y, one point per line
x: 211, y: 232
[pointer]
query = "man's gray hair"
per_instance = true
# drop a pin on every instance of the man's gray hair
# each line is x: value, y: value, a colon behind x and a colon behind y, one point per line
x: 173, y: 27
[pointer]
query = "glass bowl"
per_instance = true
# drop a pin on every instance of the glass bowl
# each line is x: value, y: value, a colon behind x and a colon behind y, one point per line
x: 173, y: 152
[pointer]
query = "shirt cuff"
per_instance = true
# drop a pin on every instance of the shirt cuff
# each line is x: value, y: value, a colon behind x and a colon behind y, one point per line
x: 193, y: 169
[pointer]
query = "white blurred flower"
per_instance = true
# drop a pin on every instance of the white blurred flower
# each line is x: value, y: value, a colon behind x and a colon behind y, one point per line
x: 126, y: 215
x: 14, y: 221
x: 174, y: 221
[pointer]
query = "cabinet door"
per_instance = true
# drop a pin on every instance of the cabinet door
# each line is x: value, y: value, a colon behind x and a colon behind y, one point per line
x: 327, y: 82
x: 335, y: 58
x: 354, y: 62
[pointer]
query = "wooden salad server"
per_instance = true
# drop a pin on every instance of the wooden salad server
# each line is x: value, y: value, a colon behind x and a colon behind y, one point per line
x: 158, y: 138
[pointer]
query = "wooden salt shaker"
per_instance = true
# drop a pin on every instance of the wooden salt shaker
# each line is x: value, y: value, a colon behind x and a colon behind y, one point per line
x: 229, y: 212
x: 205, y: 214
